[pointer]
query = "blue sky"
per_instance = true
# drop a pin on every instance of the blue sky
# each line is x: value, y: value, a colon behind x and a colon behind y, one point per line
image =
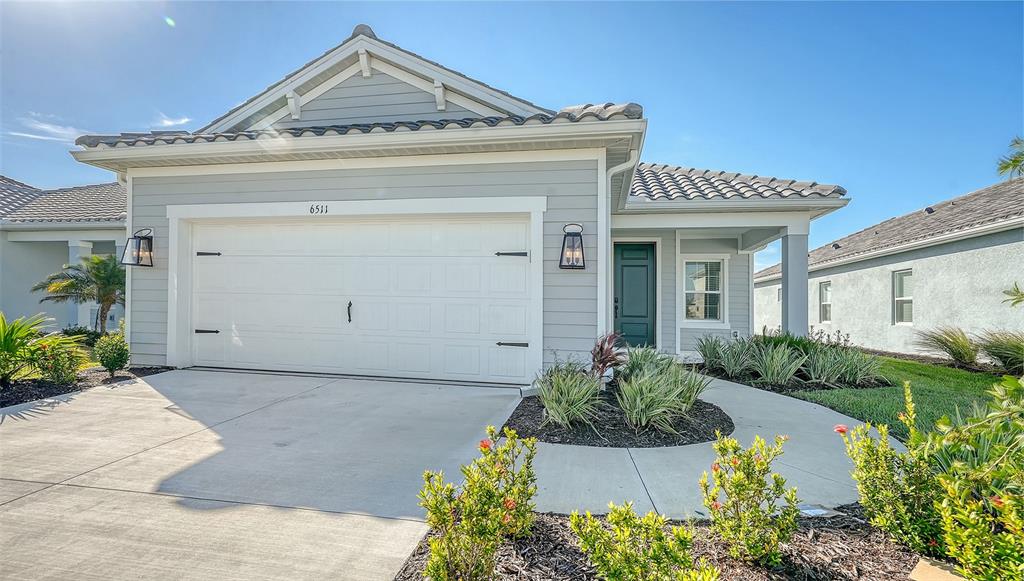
x: 904, y: 104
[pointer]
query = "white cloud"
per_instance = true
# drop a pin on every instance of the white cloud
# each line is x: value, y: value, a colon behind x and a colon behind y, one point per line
x: 165, y: 121
x: 35, y: 128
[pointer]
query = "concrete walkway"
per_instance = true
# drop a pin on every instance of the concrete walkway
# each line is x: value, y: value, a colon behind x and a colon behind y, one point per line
x: 665, y: 479
x: 206, y: 475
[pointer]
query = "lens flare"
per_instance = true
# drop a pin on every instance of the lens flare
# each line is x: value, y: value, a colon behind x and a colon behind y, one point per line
x: 169, y: 21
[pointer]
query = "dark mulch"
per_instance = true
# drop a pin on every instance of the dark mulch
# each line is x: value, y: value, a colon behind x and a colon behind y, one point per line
x: 32, y: 389
x: 611, y: 430
x: 839, y: 547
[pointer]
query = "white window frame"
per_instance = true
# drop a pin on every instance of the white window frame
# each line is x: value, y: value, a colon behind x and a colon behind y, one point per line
x: 721, y: 324
x: 778, y: 294
x: 821, y: 303
x: 896, y: 300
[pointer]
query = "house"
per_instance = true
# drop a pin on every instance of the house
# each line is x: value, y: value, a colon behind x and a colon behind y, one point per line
x: 377, y: 213
x: 42, y: 230
x: 944, y: 265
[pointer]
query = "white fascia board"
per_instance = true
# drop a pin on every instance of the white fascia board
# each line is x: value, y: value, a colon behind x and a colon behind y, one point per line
x: 915, y: 245
x: 55, y: 225
x: 626, y: 128
x: 67, y: 234
x: 818, y: 207
x: 796, y: 222
x: 428, y: 86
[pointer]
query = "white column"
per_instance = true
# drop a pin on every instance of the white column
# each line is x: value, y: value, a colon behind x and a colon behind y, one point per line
x: 79, y: 314
x: 794, y: 284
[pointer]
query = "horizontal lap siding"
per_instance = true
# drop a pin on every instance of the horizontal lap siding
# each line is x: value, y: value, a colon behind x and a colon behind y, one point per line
x: 378, y: 98
x: 570, y: 297
x: 738, y: 292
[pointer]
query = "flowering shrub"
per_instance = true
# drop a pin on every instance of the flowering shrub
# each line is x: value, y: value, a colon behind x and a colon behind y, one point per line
x: 494, y: 502
x: 112, y: 351
x: 747, y: 517
x: 897, y: 490
x: 634, y: 548
x: 58, y: 358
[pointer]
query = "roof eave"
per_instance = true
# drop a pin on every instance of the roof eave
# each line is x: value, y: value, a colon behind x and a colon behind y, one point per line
x: 818, y: 205
x: 376, y: 143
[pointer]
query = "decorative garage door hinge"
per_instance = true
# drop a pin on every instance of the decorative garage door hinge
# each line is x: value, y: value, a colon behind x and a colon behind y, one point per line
x: 507, y: 344
x: 207, y: 253
x: 511, y: 254
x: 206, y: 331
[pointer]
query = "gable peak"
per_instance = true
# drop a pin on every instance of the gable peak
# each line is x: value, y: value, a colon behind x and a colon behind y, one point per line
x: 363, y: 30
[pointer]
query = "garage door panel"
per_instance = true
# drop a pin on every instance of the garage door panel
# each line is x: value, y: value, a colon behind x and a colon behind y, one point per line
x: 429, y: 297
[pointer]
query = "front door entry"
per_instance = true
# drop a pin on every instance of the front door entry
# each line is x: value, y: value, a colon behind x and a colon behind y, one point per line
x: 635, y: 292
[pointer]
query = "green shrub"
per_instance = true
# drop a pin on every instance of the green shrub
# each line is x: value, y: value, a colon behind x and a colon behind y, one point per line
x: 18, y: 339
x: 824, y: 366
x: 643, y: 360
x: 710, y: 348
x: 786, y: 339
x: 658, y: 398
x: 858, y: 368
x: 755, y: 515
x: 980, y: 465
x: 89, y: 336
x: 112, y: 352
x: 569, y: 394
x: 1006, y: 348
x: 494, y: 502
x: 897, y: 490
x: 775, y: 364
x: 58, y: 358
x: 952, y: 341
x: 634, y: 548
x: 737, y: 357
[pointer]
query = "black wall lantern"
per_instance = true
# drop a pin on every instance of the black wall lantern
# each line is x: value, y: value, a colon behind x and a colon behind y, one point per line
x: 138, y: 251
x: 572, y: 247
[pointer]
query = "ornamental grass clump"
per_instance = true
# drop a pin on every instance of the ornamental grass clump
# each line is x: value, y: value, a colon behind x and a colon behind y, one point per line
x: 751, y: 509
x: 824, y: 367
x: 1006, y: 348
x: 858, y: 369
x: 643, y: 360
x: 710, y: 348
x: 494, y: 502
x: 775, y: 364
x: 569, y: 394
x: 737, y: 358
x: 952, y: 341
x: 635, y: 548
x: 656, y: 399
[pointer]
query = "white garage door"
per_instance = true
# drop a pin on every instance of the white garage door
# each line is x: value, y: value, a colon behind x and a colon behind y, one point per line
x: 441, y: 298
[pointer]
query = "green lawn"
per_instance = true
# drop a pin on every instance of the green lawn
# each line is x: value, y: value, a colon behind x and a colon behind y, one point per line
x: 937, y: 390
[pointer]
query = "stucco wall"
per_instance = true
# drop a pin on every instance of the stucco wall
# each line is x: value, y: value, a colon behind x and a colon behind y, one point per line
x: 570, y: 297
x: 24, y: 264
x: 959, y: 283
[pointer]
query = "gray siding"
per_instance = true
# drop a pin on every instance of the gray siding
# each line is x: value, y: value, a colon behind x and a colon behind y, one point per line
x: 738, y: 291
x: 570, y: 297
x: 958, y: 283
x: 367, y: 100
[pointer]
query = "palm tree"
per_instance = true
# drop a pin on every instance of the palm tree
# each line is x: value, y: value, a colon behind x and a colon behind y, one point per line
x: 97, y: 280
x: 1012, y: 164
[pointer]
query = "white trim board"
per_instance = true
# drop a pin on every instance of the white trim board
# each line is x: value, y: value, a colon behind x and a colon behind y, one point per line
x: 658, y: 267
x: 681, y: 322
x: 346, y: 208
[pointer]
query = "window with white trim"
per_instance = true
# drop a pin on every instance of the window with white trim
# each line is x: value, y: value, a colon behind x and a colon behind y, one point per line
x: 702, y: 288
x: 825, y: 301
x: 903, y: 297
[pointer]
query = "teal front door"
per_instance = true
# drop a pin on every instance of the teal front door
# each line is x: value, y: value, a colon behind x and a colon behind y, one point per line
x: 635, y: 292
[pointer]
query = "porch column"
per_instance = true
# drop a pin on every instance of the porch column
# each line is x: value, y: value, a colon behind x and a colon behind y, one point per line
x: 79, y: 314
x: 794, y: 284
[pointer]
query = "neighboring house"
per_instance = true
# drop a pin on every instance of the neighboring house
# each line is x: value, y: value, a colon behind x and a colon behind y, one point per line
x: 376, y: 213
x: 42, y: 230
x: 945, y: 265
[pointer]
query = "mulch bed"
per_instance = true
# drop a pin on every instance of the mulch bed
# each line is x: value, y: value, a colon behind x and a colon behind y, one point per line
x: 611, y: 430
x: 32, y: 389
x: 838, y: 547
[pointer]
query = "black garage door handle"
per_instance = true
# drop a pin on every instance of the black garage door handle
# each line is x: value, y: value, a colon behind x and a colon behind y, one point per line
x: 507, y: 344
x: 206, y: 331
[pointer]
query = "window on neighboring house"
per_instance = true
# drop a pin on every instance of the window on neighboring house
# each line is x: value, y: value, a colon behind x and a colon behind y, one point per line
x: 778, y: 297
x: 903, y: 296
x: 703, y: 288
x: 825, y: 302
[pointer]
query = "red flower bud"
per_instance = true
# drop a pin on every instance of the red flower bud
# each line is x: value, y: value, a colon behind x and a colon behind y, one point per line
x: 485, y: 444
x: 735, y: 461
x: 505, y: 518
x: 716, y: 505
x: 840, y: 429
x: 997, y: 502
x: 510, y: 504
x: 715, y: 467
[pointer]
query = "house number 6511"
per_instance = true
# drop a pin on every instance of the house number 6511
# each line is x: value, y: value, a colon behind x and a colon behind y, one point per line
x: 317, y: 209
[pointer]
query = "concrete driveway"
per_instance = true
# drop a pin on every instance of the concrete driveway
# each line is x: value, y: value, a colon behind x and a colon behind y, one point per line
x: 218, y: 475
